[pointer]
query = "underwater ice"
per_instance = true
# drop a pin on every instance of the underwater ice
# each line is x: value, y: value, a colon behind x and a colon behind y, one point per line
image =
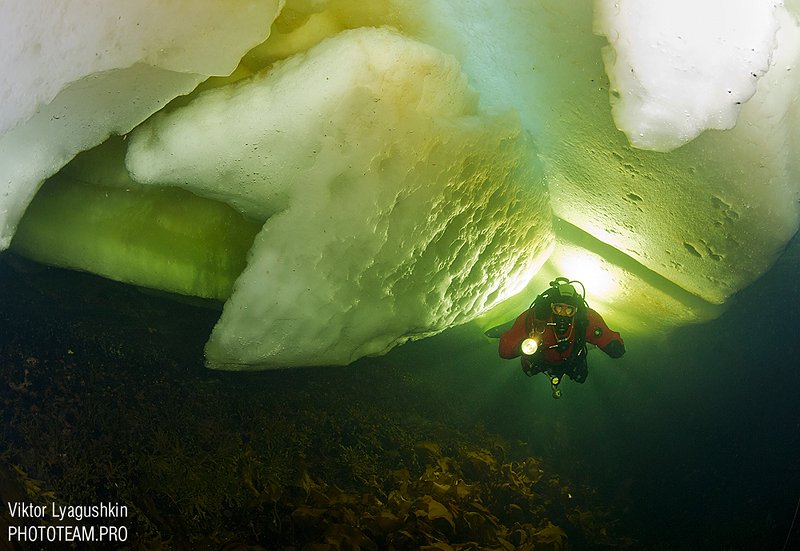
x: 77, y: 71
x: 710, y: 216
x: 681, y: 67
x: 392, y: 169
x: 393, y: 210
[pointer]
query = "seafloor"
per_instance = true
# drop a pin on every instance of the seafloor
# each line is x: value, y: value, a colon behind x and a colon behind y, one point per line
x: 105, y: 400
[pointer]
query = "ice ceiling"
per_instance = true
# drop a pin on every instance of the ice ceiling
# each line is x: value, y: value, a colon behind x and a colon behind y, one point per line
x: 359, y: 174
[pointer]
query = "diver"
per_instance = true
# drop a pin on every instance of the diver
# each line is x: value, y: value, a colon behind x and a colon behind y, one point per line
x: 551, y: 335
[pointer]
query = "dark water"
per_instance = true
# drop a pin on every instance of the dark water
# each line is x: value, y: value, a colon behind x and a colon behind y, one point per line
x: 691, y: 441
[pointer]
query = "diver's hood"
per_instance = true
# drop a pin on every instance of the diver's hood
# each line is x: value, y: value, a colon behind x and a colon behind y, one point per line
x: 567, y: 294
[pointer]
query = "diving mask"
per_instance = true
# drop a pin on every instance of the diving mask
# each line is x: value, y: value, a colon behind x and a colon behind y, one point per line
x: 563, y: 309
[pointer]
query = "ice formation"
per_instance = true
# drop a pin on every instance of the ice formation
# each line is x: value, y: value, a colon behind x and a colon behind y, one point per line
x: 92, y: 216
x: 392, y: 169
x: 78, y: 71
x: 681, y: 67
x: 710, y: 216
x: 393, y: 209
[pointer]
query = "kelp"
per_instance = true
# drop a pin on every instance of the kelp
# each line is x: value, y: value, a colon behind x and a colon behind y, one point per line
x: 192, y: 491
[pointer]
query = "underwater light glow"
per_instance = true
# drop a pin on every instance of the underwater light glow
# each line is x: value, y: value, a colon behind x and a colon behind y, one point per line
x: 589, y: 270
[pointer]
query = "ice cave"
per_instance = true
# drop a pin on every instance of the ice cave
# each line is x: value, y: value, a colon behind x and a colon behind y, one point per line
x: 349, y: 176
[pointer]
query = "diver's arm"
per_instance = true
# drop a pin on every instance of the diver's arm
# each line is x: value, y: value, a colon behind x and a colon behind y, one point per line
x: 599, y: 334
x: 511, y: 339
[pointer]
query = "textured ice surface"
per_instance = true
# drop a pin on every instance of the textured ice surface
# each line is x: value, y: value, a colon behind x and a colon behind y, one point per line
x: 710, y: 216
x: 393, y: 209
x: 76, y: 71
x: 680, y: 67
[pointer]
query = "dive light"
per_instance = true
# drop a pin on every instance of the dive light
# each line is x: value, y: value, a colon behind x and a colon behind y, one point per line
x: 529, y: 346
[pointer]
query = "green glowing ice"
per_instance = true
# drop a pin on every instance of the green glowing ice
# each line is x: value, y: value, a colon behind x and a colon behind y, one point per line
x: 162, y: 238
